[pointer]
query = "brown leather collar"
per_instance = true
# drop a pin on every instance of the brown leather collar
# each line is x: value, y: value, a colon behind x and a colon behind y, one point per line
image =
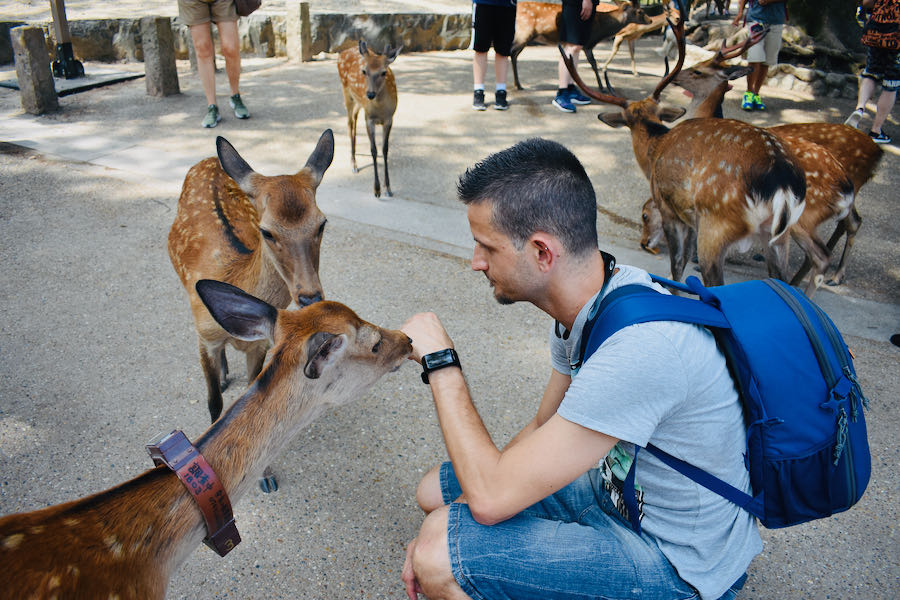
x: 176, y: 452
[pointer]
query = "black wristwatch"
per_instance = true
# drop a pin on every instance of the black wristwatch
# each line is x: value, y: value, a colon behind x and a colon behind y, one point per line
x: 439, y: 360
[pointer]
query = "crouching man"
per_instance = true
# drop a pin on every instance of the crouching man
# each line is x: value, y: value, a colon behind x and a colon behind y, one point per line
x: 546, y: 517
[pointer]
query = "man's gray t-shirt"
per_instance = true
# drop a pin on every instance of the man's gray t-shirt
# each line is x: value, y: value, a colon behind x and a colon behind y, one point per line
x: 666, y: 383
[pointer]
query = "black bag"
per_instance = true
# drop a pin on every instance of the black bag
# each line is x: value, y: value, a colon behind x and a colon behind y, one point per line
x: 245, y: 7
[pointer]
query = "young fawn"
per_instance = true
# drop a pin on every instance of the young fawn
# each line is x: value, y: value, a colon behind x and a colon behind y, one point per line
x: 126, y: 542
x: 368, y: 85
x: 259, y: 233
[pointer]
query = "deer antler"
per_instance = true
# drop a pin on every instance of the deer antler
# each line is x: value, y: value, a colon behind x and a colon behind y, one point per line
x: 678, y: 30
x: 595, y: 94
x: 727, y: 53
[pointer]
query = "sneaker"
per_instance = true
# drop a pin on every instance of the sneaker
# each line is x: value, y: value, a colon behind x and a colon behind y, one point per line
x: 747, y: 103
x: 563, y: 104
x: 240, y: 111
x: 855, y: 117
x: 478, y: 100
x: 500, y: 102
x: 758, y: 103
x: 212, y: 117
x: 576, y: 97
x: 880, y: 137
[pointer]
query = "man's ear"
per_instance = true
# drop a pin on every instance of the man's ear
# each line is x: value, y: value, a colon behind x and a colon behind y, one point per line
x: 545, y: 249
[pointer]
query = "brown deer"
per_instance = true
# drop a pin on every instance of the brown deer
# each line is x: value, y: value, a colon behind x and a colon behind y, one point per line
x: 831, y: 152
x: 540, y: 23
x: 725, y: 179
x: 127, y: 541
x: 632, y: 32
x: 368, y: 85
x: 260, y: 233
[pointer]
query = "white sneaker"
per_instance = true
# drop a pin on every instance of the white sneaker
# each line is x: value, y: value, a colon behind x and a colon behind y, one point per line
x: 854, y: 118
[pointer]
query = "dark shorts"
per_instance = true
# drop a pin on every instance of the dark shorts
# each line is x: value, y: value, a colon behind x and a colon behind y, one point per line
x: 494, y: 25
x: 884, y: 66
x: 574, y: 30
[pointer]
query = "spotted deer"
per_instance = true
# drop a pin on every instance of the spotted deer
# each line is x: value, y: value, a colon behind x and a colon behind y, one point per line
x: 725, y: 179
x: 541, y: 22
x: 260, y: 233
x: 632, y: 32
x: 837, y: 160
x: 368, y: 85
x: 126, y: 542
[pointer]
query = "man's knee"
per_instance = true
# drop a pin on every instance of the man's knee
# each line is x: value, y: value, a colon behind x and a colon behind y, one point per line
x: 428, y: 494
x: 431, y: 556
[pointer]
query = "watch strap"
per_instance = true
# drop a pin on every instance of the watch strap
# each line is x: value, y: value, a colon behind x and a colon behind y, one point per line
x: 438, y: 360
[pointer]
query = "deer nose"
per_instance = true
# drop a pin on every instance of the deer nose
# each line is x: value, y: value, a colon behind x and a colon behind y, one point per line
x: 370, y: 95
x: 307, y: 299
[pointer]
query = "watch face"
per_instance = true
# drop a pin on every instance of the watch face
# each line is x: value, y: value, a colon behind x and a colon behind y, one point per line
x: 438, y: 359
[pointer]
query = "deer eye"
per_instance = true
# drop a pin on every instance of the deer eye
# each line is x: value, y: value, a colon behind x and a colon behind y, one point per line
x: 376, y: 347
x: 267, y: 234
x: 364, y: 72
x: 321, y: 228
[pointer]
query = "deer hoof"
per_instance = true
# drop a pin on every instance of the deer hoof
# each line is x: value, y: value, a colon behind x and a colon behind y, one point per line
x: 389, y: 193
x: 649, y: 249
x: 832, y: 283
x: 268, y: 484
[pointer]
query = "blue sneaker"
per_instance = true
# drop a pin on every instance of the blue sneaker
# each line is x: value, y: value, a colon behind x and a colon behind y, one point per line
x: 576, y: 97
x: 747, y: 103
x: 758, y: 104
x: 562, y: 103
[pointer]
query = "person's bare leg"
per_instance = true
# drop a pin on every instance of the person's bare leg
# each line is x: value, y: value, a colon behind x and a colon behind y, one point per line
x: 231, y: 49
x: 883, y: 109
x: 428, y: 494
x: 564, y: 78
x: 479, y: 67
x: 431, y: 559
x: 201, y: 36
x: 866, y: 91
x: 501, y: 68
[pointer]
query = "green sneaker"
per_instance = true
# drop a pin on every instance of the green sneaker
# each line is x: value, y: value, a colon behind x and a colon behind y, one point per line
x: 747, y: 104
x: 758, y: 103
x: 240, y: 111
x: 212, y: 117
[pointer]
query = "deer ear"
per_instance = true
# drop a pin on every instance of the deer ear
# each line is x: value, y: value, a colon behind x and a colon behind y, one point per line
x: 363, y: 49
x: 670, y: 113
x: 614, y: 119
x: 234, y: 166
x: 322, y: 350
x: 321, y: 157
x: 392, y: 55
x: 244, y: 316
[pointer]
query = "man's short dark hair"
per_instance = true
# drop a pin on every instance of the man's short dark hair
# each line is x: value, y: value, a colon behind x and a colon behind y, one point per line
x: 536, y: 185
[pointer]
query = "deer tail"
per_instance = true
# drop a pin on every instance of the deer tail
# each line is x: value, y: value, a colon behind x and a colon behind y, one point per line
x: 783, y: 184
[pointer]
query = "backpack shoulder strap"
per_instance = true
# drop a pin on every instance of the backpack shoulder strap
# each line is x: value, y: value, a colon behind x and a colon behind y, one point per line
x: 635, y: 303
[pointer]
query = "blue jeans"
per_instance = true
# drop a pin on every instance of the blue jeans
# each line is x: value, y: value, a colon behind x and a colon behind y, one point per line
x: 573, y: 544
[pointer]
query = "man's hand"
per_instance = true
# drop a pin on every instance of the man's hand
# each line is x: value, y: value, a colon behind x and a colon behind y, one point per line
x: 409, y: 578
x: 427, y: 333
x: 587, y: 8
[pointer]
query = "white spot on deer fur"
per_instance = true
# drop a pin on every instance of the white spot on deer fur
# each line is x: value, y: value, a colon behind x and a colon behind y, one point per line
x: 12, y: 541
x: 114, y: 546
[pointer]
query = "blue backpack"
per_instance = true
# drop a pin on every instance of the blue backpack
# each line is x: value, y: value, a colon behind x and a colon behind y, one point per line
x: 807, y: 451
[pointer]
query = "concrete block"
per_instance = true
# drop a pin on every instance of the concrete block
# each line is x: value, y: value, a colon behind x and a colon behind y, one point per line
x: 159, y: 56
x: 36, y: 87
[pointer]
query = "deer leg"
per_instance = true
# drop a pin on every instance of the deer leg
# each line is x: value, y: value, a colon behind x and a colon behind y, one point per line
x: 615, y: 49
x: 514, y: 59
x: 678, y: 240
x: 810, y: 243
x: 589, y: 55
x: 851, y: 224
x: 352, y: 114
x: 777, y: 256
x: 210, y: 361
x: 370, y: 129
x: 712, y: 244
x: 386, y: 134
x: 631, y: 52
x: 256, y: 356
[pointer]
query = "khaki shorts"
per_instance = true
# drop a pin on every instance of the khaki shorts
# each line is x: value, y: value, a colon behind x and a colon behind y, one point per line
x: 767, y: 50
x: 197, y: 12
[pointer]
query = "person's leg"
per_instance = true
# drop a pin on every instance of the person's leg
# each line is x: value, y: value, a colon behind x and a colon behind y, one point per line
x: 201, y: 36
x: 479, y: 69
x: 428, y: 495
x: 231, y: 50
x: 883, y: 109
